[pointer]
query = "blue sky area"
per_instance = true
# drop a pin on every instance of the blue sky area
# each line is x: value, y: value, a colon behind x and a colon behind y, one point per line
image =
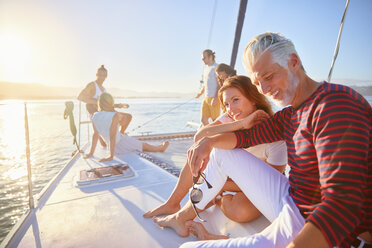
x: 156, y: 45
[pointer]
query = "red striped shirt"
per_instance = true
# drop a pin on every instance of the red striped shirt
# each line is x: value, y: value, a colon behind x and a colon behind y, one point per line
x: 329, y: 142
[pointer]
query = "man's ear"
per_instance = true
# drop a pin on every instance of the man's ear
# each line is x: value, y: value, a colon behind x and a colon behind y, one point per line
x: 294, y: 62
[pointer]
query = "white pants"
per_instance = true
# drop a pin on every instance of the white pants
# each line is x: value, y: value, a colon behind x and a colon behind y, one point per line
x: 264, y: 186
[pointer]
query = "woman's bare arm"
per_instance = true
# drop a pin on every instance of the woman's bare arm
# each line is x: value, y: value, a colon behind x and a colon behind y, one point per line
x: 94, y: 142
x: 246, y: 123
x: 203, y: 132
x: 86, y: 95
x: 124, y: 120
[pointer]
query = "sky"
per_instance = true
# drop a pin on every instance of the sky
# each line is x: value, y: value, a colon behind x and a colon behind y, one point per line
x: 149, y: 45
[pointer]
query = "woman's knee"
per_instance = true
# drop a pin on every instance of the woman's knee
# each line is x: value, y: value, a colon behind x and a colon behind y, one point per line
x: 238, y: 208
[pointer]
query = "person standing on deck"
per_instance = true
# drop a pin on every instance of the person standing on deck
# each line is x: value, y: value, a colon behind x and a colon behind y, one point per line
x: 210, y: 106
x: 327, y: 199
x: 92, y: 91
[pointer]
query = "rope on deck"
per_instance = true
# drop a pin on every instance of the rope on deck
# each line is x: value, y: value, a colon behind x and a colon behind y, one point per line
x: 169, y: 136
x: 165, y: 166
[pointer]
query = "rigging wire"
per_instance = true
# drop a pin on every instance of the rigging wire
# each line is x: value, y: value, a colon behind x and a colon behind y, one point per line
x: 210, y: 35
x: 338, y: 41
x: 212, y: 23
x: 166, y: 112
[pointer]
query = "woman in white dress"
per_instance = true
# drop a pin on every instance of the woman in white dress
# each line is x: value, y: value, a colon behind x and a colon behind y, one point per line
x: 106, y: 124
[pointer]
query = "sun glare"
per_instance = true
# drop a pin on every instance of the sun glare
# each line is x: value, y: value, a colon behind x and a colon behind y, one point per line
x: 12, y: 140
x: 15, y: 57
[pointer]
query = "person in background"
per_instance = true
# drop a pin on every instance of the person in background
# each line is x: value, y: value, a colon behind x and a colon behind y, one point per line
x: 92, y: 91
x: 210, y: 106
x: 106, y: 123
x: 223, y: 72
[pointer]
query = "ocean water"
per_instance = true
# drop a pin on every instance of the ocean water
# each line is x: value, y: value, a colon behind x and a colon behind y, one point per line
x: 51, y: 142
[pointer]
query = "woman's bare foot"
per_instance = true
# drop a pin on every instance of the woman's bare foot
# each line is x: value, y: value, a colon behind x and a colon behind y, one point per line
x: 164, y: 209
x: 163, y: 146
x: 199, y: 231
x: 173, y: 222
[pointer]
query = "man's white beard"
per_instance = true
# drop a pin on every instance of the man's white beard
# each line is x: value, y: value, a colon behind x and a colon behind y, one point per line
x: 290, y: 92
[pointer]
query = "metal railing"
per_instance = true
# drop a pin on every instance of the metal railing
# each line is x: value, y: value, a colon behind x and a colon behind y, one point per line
x: 83, y: 122
x: 31, y: 202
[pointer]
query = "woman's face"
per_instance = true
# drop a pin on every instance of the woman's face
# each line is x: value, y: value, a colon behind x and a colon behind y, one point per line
x: 101, y: 75
x: 236, y: 104
x: 222, y: 75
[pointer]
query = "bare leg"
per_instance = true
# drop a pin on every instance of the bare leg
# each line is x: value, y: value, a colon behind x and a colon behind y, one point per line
x: 102, y: 141
x: 238, y: 208
x: 204, y: 120
x: 178, y: 220
x: 172, y: 205
x: 231, y: 186
x: 150, y: 148
x: 199, y: 231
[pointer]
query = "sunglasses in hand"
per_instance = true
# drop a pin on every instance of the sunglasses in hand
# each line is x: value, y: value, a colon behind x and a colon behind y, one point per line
x: 196, y: 195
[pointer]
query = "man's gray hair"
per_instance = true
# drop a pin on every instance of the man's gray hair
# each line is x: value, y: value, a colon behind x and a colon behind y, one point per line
x: 280, y: 47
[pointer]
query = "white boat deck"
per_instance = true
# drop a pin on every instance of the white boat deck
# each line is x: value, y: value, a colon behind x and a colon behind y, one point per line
x: 176, y: 154
x: 110, y: 214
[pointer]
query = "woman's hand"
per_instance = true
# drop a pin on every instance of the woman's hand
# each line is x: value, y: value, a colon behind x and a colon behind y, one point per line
x: 198, y: 155
x: 122, y: 105
x: 88, y: 155
x: 107, y: 159
x: 256, y: 117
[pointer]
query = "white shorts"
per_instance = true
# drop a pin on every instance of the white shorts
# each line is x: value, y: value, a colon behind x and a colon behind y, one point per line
x: 127, y: 144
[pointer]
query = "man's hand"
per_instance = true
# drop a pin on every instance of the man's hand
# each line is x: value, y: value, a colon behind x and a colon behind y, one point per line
x: 198, y: 155
x: 198, y: 95
x: 214, y: 101
x: 107, y: 159
x: 256, y: 117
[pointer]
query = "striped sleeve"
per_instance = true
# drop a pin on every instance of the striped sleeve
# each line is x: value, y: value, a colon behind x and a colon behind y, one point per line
x: 341, y: 126
x: 269, y: 131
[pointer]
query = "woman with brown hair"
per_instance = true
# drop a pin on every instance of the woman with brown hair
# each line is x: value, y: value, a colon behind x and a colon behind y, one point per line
x: 106, y: 124
x: 244, y: 107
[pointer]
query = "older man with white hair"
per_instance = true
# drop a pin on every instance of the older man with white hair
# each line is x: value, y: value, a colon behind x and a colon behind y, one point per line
x: 327, y: 200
